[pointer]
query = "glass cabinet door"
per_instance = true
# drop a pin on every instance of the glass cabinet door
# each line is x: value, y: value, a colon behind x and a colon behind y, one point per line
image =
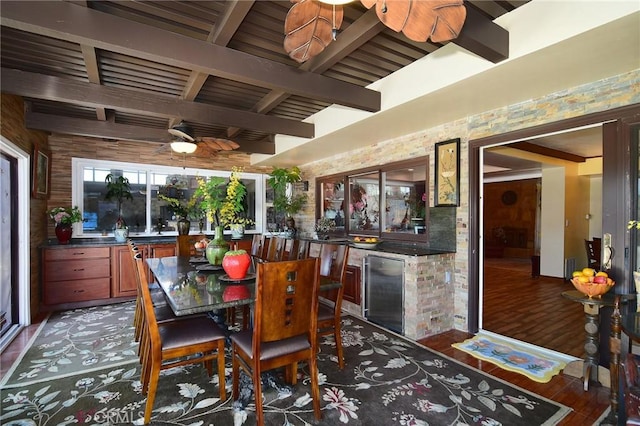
x: 364, y: 203
x: 332, y: 196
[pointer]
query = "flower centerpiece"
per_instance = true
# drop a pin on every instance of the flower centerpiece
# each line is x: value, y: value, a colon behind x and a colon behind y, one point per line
x: 323, y: 226
x: 232, y: 211
x: 64, y: 218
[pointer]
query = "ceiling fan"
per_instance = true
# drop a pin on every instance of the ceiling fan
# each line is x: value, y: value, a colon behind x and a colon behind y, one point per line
x: 311, y: 25
x: 184, y: 141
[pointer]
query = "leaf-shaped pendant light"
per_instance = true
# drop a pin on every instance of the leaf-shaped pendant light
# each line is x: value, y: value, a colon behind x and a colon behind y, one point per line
x: 419, y: 20
x: 309, y: 27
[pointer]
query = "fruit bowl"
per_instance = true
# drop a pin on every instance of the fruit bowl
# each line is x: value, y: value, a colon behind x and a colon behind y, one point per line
x: 592, y: 289
x: 365, y: 244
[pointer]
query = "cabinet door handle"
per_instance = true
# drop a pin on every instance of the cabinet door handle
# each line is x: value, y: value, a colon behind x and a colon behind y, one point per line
x: 78, y: 291
x: 78, y: 253
x: 78, y: 270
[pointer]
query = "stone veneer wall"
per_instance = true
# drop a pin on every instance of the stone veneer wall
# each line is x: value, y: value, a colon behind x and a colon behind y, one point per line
x: 589, y: 98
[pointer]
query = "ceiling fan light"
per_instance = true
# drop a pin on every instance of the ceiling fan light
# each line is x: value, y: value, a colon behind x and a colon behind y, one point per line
x: 335, y: 2
x: 183, y: 147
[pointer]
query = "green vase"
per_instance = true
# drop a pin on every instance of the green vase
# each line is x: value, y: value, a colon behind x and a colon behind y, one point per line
x: 217, y: 247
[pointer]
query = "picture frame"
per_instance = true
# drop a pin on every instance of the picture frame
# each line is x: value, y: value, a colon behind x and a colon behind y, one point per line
x: 41, y: 172
x: 447, y: 173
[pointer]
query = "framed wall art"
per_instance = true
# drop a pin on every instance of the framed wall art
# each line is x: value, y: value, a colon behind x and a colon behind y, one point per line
x: 447, y: 173
x: 41, y: 172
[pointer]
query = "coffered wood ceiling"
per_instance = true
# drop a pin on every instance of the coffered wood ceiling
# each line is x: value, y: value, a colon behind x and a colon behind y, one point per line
x: 131, y: 69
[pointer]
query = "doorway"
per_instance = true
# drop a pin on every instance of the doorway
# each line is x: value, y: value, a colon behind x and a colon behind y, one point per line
x: 14, y: 241
x: 616, y: 127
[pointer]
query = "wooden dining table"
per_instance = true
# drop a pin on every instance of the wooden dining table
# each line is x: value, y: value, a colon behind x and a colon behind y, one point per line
x: 193, y: 286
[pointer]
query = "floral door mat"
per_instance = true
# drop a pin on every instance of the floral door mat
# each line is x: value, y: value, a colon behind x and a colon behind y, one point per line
x: 511, y: 357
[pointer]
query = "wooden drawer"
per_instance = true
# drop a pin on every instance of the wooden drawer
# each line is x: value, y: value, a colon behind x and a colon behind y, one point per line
x: 75, y: 253
x: 76, y: 291
x: 77, y: 270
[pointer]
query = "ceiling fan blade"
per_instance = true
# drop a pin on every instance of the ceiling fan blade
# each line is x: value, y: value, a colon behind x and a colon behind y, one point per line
x: 204, y: 150
x: 182, y: 131
x: 220, y: 144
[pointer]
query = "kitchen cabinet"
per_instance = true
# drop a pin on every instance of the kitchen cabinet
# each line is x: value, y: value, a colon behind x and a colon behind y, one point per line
x: 122, y: 272
x: 161, y: 249
x: 75, y: 274
x: 352, y: 285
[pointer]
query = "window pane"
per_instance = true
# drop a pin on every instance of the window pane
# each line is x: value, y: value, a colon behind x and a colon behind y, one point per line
x: 364, y: 202
x: 332, y: 195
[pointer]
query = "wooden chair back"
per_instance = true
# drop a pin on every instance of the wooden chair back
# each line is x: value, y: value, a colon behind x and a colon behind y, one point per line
x: 259, y: 246
x: 286, y: 301
x: 275, y: 251
x: 297, y: 250
x: 185, y: 244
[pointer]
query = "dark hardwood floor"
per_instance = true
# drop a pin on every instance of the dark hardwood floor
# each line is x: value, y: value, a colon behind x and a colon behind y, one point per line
x: 516, y: 305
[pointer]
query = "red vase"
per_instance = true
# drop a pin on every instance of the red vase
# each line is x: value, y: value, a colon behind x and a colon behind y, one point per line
x: 63, y: 233
x: 236, y: 264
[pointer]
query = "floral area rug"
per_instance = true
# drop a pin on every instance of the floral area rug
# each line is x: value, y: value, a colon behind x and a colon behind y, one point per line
x: 75, y: 341
x: 517, y: 359
x: 387, y: 380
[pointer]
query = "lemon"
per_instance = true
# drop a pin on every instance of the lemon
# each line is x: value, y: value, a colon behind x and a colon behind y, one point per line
x: 602, y: 274
x: 576, y: 273
x: 589, y: 272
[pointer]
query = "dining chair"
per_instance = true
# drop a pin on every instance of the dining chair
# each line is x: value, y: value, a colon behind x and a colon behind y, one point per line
x: 190, y: 340
x: 275, y: 251
x: 333, y: 264
x: 158, y: 298
x: 258, y: 246
x: 284, y: 328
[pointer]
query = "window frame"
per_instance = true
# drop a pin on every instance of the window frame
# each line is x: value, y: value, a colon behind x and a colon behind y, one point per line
x: 77, y: 192
x: 382, y: 171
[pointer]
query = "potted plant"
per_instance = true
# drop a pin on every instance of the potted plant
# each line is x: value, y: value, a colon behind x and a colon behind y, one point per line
x: 232, y: 213
x: 281, y: 180
x: 323, y: 227
x: 64, y: 218
x: 118, y: 188
x: 184, y: 210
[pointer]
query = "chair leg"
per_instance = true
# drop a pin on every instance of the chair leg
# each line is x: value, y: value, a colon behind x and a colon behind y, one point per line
x: 337, y: 336
x: 235, y: 376
x: 257, y: 392
x: 315, y: 388
x: 221, y: 378
x: 151, y: 394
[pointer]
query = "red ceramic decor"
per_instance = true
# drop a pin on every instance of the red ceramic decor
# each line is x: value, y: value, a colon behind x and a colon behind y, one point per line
x: 236, y: 264
x: 63, y: 233
x: 235, y: 292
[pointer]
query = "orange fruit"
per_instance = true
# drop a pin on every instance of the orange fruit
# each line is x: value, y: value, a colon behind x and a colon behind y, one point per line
x: 583, y: 279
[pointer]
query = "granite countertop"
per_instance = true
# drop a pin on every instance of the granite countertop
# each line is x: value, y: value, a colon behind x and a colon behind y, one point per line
x: 110, y: 241
x: 407, y: 249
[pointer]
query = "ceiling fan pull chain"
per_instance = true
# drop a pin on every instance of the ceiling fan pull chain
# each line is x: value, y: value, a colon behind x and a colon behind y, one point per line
x: 334, y: 30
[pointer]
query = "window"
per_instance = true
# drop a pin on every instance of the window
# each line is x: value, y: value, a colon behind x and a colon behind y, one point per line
x: 147, y: 214
x: 399, y: 212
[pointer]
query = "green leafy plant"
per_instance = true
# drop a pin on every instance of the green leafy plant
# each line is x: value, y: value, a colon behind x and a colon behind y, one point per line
x: 232, y: 209
x: 65, y: 215
x: 118, y: 188
x: 184, y: 209
x: 633, y: 224
x: 280, y: 180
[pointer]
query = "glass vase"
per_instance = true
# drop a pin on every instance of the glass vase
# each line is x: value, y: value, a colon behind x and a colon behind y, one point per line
x: 217, y: 247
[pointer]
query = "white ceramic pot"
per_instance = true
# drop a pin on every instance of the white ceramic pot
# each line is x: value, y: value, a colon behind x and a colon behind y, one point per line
x: 121, y: 234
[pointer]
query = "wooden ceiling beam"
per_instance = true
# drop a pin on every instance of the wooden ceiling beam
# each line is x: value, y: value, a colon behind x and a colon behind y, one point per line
x: 38, y: 86
x: 110, y: 130
x: 357, y: 34
x: 549, y: 152
x: 482, y: 36
x: 81, y: 25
